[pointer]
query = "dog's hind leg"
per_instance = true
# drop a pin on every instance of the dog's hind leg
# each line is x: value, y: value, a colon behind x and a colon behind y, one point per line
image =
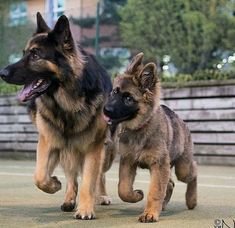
x: 69, y: 162
x: 47, y: 160
x: 186, y: 171
x: 169, y: 191
x: 102, y: 197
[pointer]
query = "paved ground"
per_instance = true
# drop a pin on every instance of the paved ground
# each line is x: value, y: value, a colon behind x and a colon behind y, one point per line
x: 23, y: 205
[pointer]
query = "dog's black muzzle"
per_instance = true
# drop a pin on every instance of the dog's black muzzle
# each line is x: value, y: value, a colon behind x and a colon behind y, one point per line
x: 4, y: 73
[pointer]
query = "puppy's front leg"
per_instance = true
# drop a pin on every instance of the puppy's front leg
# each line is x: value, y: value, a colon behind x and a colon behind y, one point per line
x: 160, y: 174
x: 127, y: 173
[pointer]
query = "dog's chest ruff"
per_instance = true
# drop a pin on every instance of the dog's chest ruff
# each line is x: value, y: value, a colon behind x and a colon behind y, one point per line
x: 137, y: 148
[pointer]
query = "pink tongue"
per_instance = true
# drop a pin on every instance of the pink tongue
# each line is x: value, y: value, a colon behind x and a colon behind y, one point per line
x: 24, y: 92
x: 106, y: 118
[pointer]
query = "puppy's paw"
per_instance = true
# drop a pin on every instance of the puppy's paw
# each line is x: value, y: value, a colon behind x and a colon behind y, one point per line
x: 191, y: 202
x: 103, y: 200
x: 148, y: 217
x: 138, y: 194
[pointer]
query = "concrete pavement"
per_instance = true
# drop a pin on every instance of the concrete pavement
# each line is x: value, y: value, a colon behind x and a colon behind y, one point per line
x: 23, y: 205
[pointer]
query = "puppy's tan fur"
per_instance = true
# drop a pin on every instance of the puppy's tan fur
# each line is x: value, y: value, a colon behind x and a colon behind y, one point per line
x: 156, y: 139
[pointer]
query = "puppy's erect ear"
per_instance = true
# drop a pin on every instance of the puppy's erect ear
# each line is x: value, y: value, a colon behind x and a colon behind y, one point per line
x: 62, y: 33
x: 41, y: 24
x: 135, y: 63
x: 148, y: 77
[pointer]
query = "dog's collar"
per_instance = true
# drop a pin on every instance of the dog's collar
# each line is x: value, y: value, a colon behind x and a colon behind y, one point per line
x: 144, y: 124
x: 141, y: 126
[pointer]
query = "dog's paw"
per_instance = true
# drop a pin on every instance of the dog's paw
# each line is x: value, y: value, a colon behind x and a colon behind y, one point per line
x: 51, y: 186
x: 148, y: 217
x: 103, y: 200
x: 84, y: 215
x: 68, y: 206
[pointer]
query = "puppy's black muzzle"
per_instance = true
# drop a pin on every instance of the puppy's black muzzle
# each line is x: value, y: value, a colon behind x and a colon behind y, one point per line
x: 108, y: 110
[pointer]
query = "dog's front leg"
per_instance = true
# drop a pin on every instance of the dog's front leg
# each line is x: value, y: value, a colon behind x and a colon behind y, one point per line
x: 47, y: 159
x: 127, y: 173
x: 92, y: 168
x: 160, y: 174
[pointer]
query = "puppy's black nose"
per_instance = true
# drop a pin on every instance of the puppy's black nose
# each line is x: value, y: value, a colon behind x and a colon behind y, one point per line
x: 4, y: 73
x: 108, y: 110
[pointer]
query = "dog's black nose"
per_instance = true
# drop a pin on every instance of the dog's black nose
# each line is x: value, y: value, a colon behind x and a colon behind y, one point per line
x: 108, y: 110
x: 4, y: 73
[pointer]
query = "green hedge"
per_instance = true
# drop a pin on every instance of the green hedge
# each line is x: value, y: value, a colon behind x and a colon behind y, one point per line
x: 206, y: 75
x: 8, y: 88
x: 202, y: 75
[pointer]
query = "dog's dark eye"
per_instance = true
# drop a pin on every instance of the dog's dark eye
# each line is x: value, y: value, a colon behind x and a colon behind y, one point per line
x: 115, y: 91
x: 128, y: 100
x: 34, y: 54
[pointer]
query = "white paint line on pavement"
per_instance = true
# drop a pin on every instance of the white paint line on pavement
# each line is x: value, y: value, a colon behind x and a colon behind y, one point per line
x: 16, y: 174
x: 113, y: 172
x: 22, y: 174
x: 17, y: 167
x: 217, y: 177
x: 116, y: 180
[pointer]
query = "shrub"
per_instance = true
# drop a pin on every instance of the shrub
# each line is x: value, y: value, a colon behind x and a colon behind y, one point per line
x: 202, y: 75
x: 7, y: 88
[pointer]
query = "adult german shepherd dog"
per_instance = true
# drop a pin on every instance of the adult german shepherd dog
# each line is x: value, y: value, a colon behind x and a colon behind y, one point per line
x: 66, y: 88
x: 150, y: 136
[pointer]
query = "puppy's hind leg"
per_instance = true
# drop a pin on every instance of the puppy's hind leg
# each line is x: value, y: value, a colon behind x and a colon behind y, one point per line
x: 169, y: 191
x: 186, y: 171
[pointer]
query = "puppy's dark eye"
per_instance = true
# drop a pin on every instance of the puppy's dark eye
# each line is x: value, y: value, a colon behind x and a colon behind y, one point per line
x: 128, y: 100
x: 34, y: 56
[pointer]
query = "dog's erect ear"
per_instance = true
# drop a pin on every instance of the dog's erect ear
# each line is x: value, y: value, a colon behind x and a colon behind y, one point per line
x: 41, y: 24
x: 135, y: 63
x: 62, y: 33
x: 148, y: 77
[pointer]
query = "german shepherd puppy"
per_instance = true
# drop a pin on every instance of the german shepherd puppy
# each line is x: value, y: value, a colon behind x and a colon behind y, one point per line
x: 67, y: 89
x: 150, y: 136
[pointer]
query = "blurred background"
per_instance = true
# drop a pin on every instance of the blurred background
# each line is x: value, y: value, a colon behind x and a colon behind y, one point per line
x: 193, y: 44
x: 191, y: 41
x: 188, y: 39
